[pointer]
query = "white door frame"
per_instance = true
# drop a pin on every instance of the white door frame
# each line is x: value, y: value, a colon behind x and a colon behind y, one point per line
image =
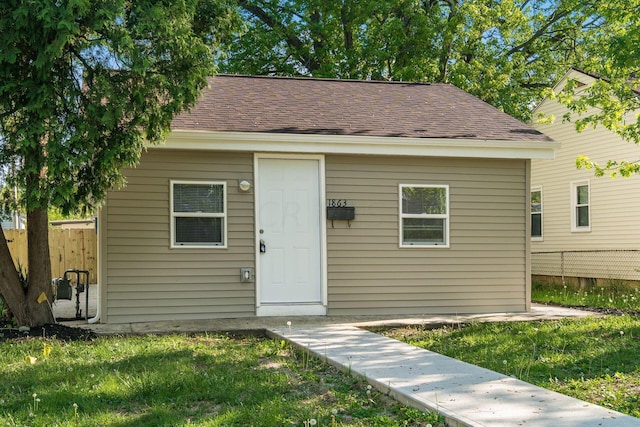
x: 301, y: 309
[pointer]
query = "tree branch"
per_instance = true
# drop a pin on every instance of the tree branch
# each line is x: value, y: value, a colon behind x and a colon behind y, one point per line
x: 555, y: 17
x: 291, y: 39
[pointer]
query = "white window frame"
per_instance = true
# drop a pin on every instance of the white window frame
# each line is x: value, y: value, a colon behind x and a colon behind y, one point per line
x: 174, y: 215
x: 402, y: 216
x: 574, y: 206
x: 539, y: 238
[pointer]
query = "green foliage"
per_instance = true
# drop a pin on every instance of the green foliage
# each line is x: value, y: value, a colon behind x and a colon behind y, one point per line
x: 613, y: 101
x: 508, y: 53
x: 613, y: 168
x: 505, y: 52
x: 201, y: 380
x: 84, y: 85
x: 55, y: 214
x: 606, y: 294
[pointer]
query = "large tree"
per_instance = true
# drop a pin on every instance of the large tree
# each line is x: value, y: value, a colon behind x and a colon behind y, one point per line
x: 507, y: 52
x: 84, y: 84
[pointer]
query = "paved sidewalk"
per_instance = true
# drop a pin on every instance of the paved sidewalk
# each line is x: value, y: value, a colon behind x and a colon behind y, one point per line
x: 466, y: 395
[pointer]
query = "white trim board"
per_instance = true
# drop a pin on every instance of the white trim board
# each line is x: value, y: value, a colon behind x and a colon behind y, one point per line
x: 347, y: 144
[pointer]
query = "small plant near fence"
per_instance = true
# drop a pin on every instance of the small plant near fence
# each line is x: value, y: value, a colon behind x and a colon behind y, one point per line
x: 5, y: 313
x: 614, y: 294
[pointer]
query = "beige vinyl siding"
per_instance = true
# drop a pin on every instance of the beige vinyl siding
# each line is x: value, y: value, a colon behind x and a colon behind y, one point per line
x: 483, y: 270
x: 148, y: 281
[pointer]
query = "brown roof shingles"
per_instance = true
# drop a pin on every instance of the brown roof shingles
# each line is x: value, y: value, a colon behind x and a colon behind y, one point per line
x: 349, y: 107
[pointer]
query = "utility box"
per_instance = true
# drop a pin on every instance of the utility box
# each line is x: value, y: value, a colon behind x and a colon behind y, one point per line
x: 63, y: 288
x: 247, y: 275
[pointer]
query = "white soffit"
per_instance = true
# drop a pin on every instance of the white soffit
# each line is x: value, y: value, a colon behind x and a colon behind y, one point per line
x: 347, y: 144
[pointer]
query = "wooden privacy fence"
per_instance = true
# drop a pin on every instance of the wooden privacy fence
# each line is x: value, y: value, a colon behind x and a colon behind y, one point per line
x: 70, y: 249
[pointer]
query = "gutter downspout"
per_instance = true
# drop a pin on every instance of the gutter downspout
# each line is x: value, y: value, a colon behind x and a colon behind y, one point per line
x: 98, y: 230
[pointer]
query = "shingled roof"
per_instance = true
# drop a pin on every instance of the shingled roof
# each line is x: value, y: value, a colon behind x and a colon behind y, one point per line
x: 349, y: 107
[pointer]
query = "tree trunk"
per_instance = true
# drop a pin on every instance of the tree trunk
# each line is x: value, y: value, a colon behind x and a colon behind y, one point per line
x: 10, y: 285
x: 39, y: 313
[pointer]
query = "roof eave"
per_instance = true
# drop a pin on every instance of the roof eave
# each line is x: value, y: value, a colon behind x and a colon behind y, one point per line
x: 363, y: 145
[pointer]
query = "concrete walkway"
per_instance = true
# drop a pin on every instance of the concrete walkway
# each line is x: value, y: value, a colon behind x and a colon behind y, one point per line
x: 466, y: 395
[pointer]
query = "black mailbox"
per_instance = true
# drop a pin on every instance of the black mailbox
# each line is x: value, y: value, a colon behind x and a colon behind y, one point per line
x: 343, y: 213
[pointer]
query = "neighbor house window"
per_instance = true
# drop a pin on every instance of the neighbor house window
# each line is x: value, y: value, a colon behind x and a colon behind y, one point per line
x: 536, y: 213
x: 424, y: 215
x: 580, y: 211
x: 198, y: 214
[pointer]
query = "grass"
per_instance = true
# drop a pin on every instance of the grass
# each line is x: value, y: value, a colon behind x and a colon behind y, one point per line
x: 179, y: 380
x: 594, y: 359
x: 220, y: 380
x: 614, y: 294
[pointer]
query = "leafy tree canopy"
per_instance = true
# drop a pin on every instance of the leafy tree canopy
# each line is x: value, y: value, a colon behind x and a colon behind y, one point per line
x: 614, y: 100
x: 84, y: 85
x: 509, y: 53
x: 506, y: 52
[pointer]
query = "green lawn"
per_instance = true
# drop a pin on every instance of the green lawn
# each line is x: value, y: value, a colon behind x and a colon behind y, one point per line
x: 220, y: 380
x: 615, y: 294
x: 593, y: 359
x: 178, y: 380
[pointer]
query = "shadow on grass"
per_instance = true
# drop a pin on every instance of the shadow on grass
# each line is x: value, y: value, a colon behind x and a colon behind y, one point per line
x: 593, y: 359
x: 156, y: 386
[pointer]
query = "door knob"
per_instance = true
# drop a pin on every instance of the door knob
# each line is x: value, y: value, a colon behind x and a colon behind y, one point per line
x: 263, y: 247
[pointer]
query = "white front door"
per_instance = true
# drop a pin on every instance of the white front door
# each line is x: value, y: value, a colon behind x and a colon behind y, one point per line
x: 289, y: 225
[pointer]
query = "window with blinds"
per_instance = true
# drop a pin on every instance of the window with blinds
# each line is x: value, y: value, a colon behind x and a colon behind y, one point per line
x: 198, y: 214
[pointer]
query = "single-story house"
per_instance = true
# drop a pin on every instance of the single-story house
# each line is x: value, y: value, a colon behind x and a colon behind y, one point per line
x: 311, y: 197
x: 583, y: 227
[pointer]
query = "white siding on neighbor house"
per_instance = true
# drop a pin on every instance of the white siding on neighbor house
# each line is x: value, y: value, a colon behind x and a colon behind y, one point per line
x: 614, y: 202
x: 484, y: 269
x: 146, y: 279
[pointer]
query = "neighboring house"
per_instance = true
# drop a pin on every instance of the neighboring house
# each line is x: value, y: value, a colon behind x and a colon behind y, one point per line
x: 12, y: 221
x: 74, y: 224
x: 292, y: 196
x: 582, y: 226
x: 6, y: 221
